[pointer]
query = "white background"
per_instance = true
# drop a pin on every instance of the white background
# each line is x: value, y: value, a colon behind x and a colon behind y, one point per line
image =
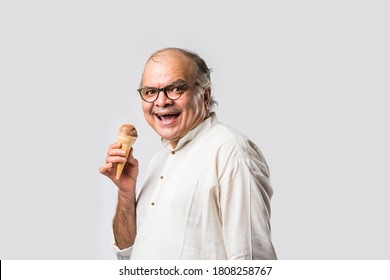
x: 308, y: 81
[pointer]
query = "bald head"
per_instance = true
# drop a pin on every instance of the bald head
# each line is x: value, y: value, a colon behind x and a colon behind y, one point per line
x: 167, y: 65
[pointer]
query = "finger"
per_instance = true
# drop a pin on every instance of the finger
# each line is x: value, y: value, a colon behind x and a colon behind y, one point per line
x: 106, y: 169
x: 131, y: 152
x: 116, y: 159
x: 131, y: 159
x: 115, y: 145
x: 116, y: 152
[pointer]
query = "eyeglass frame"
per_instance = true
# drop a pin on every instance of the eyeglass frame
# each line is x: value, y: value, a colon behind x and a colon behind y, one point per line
x: 163, y: 89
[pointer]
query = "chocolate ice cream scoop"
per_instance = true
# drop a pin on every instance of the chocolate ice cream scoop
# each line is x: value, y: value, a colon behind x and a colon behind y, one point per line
x: 128, y: 129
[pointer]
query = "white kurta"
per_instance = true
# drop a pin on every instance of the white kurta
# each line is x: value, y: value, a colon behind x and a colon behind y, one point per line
x: 207, y: 199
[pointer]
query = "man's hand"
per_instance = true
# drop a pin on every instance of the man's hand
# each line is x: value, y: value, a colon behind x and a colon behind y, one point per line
x: 127, y: 182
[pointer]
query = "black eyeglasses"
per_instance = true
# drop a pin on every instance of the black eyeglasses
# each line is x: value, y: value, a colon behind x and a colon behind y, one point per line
x: 172, y: 92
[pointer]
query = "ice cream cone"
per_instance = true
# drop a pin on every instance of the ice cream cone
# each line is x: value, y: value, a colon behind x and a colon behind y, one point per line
x: 126, y: 136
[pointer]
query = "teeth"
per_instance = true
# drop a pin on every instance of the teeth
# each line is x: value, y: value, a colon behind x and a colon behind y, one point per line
x: 167, y: 117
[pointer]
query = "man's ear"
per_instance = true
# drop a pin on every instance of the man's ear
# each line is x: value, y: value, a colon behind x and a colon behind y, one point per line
x: 207, y: 96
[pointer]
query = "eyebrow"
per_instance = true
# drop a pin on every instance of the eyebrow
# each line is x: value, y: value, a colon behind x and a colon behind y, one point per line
x: 179, y: 81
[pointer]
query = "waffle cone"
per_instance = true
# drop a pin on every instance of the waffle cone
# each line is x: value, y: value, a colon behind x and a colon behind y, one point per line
x: 127, y: 142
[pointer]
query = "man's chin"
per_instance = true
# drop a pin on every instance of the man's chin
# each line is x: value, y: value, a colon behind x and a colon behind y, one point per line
x: 167, y: 135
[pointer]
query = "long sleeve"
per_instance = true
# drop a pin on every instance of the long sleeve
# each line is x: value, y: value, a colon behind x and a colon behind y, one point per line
x: 121, y: 254
x: 245, y: 207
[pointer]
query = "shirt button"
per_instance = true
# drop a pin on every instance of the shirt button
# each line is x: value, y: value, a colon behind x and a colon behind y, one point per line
x: 152, y: 203
x: 161, y: 177
x: 173, y: 152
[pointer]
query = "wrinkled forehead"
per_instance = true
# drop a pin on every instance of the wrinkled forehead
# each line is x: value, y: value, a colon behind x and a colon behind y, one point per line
x: 166, y: 67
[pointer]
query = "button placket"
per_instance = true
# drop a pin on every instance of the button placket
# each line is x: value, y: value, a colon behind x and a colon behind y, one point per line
x: 160, y: 182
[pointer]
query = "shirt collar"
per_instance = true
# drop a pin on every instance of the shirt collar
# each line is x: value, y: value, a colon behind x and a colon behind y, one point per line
x: 199, y: 130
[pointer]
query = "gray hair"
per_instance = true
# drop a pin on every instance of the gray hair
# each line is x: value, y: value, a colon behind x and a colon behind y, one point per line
x: 202, y: 71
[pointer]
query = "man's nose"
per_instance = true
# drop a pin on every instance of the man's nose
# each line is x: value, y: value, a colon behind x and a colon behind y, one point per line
x: 162, y: 100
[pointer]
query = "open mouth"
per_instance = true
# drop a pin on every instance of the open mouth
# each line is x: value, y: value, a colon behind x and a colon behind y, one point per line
x: 167, y: 118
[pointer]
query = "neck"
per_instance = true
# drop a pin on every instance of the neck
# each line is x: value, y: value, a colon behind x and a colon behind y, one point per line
x: 175, y: 142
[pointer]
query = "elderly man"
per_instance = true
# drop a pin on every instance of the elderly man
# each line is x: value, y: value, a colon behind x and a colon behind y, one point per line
x: 207, y: 192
